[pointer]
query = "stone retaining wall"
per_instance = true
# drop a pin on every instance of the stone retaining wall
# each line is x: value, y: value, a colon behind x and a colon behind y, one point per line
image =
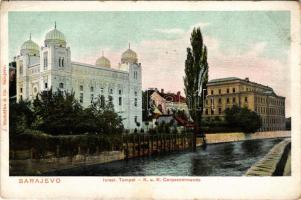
x: 270, y: 164
x: 40, y: 166
x: 232, y: 137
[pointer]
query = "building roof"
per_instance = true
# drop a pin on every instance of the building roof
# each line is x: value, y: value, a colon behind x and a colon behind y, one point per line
x: 129, y: 56
x: 103, y: 62
x: 224, y: 79
x: 268, y: 90
x: 30, y: 46
x: 169, y: 96
x: 246, y: 80
x: 55, y: 37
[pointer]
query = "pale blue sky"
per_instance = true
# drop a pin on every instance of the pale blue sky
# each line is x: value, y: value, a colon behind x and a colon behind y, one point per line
x: 254, y: 44
x: 86, y: 31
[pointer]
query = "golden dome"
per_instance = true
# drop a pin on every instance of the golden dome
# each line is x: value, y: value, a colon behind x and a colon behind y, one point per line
x: 55, y: 37
x: 103, y: 62
x: 129, y: 56
x: 30, y: 47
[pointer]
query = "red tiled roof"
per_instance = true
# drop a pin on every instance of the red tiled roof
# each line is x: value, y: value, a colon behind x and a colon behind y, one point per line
x: 177, y: 98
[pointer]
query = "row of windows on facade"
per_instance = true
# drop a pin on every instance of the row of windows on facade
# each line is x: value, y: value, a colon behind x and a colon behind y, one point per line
x: 102, y: 99
x: 260, y: 110
x: 227, y: 100
x: 273, y: 120
x: 61, y: 86
x: 271, y: 101
x: 61, y: 62
x: 220, y: 91
x: 233, y: 90
x: 271, y: 111
x: 81, y: 89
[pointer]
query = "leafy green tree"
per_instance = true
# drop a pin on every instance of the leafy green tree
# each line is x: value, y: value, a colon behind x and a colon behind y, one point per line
x: 20, y: 117
x: 57, y: 112
x: 196, y: 78
x: 103, y: 117
x: 147, y: 109
x: 248, y: 121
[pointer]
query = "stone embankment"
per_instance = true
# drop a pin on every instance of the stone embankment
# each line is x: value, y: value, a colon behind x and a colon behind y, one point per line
x: 275, y: 163
x: 234, y: 137
x: 40, y: 166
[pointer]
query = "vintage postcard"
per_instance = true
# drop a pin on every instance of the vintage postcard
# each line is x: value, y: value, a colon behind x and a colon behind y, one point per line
x: 150, y: 100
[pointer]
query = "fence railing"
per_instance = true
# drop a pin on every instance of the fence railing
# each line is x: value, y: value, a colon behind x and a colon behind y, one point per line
x: 133, y: 145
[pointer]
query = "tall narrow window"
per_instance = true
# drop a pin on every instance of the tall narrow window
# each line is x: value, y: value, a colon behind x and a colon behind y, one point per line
x: 21, y: 90
x: 136, y: 102
x: 233, y: 90
x: 136, y: 118
x: 120, y: 101
x: 102, y: 101
x: 228, y: 90
x: 101, y: 90
x: 45, y: 60
x: 219, y: 91
x: 61, y: 85
x: 233, y: 99
x: 220, y: 111
x: 81, y: 88
x: 120, y: 92
x: 81, y: 97
x: 246, y: 99
x: 62, y: 62
x: 46, y: 85
x: 21, y: 69
x: 91, y: 89
x: 110, y: 99
x: 59, y: 61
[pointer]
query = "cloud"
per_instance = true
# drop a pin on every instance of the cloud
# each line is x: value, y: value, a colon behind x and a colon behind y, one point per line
x: 163, y: 63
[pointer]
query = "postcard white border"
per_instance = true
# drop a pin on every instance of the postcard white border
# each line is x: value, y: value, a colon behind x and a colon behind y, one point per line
x: 208, y: 187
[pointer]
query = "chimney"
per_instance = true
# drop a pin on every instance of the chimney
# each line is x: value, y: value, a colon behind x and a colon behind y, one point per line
x: 162, y: 90
x: 247, y: 79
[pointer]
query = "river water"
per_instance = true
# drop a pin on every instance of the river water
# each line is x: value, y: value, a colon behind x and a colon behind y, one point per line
x: 226, y: 159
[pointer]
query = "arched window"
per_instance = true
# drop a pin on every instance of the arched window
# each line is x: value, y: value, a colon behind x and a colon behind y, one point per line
x: 61, y: 85
x: 59, y: 62
x: 62, y: 62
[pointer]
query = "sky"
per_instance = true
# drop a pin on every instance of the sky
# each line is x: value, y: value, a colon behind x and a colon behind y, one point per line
x: 254, y: 44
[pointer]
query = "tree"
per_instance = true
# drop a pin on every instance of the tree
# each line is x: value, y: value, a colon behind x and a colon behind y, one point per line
x: 195, y: 79
x: 56, y: 112
x: 20, y: 117
x: 103, y: 117
x: 147, y: 109
x: 246, y: 120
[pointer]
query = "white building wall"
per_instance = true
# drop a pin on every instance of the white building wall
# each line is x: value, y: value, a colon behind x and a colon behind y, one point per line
x: 127, y: 79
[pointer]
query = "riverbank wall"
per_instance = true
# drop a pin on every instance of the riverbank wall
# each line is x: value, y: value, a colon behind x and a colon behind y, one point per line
x: 275, y: 163
x: 40, y: 166
x: 214, y: 138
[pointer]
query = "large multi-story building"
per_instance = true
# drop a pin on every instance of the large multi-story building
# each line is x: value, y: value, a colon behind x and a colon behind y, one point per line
x: 50, y: 66
x: 225, y: 92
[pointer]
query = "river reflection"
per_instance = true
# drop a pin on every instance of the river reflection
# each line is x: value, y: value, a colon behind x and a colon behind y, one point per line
x: 227, y: 159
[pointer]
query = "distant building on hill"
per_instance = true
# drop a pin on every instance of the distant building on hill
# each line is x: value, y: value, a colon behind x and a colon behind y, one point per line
x: 225, y: 92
